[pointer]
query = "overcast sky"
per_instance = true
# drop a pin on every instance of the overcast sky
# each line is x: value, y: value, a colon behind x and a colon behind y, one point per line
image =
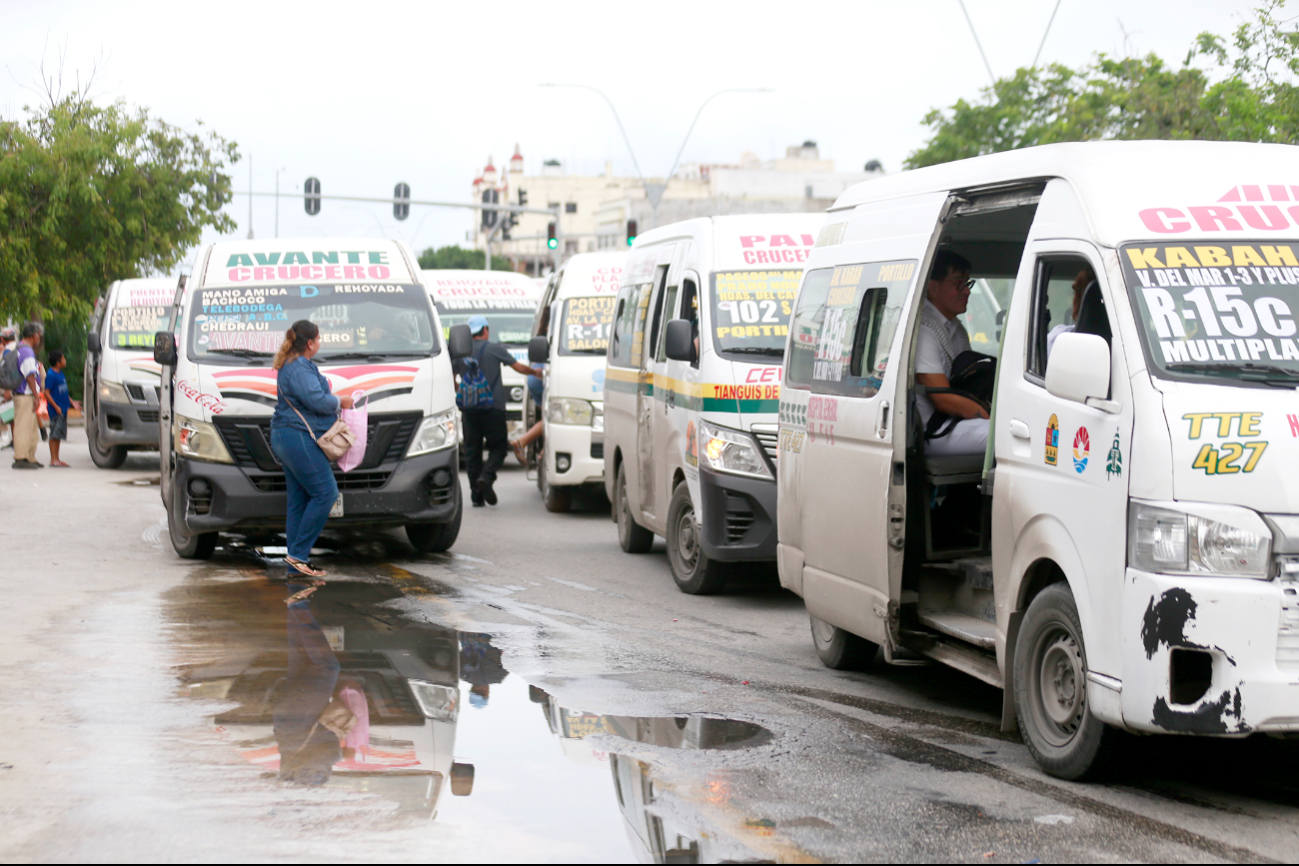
x: 363, y: 95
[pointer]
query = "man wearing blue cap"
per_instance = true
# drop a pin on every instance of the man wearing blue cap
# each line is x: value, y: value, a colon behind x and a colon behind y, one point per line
x: 487, y: 424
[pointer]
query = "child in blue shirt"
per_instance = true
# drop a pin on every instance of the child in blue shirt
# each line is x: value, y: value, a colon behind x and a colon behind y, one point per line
x: 60, y: 403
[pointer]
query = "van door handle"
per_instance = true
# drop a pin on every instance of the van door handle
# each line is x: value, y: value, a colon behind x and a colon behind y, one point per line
x: 1019, y: 429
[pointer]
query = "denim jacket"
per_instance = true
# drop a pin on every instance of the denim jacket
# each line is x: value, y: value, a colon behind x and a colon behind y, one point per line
x: 302, y: 383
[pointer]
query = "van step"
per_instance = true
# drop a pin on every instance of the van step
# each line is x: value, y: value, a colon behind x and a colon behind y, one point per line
x: 974, y: 570
x: 962, y: 626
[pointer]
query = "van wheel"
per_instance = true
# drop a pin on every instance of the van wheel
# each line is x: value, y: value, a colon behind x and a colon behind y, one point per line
x: 1063, y: 736
x: 841, y: 650
x: 557, y: 499
x: 693, y: 571
x: 436, y: 537
x: 200, y: 546
x: 632, y: 537
x: 103, y: 456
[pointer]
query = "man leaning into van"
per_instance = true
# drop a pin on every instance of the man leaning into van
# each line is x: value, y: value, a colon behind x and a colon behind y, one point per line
x: 941, y: 339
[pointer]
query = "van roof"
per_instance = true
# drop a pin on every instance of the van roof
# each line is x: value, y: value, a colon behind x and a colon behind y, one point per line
x: 287, y: 260
x: 1131, y: 190
x: 145, y: 292
x: 449, y: 286
x: 587, y: 274
x: 736, y: 241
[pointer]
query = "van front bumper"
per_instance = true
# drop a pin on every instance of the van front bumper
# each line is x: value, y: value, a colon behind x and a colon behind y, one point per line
x: 585, y: 452
x: 1209, y: 655
x: 737, y: 517
x: 423, y: 489
x: 127, y: 424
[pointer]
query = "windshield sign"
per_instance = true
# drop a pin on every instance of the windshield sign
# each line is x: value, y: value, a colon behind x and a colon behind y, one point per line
x: 510, y: 319
x: 751, y: 311
x: 134, y: 327
x: 363, y: 319
x: 1218, y: 311
x: 587, y: 324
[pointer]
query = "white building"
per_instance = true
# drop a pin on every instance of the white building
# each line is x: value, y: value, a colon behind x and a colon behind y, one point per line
x: 595, y: 210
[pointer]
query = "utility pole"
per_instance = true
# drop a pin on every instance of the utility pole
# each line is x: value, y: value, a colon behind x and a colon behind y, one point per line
x: 250, y: 196
x: 277, y: 200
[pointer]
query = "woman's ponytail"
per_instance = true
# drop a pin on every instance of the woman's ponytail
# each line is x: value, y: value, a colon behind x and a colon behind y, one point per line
x: 295, y: 342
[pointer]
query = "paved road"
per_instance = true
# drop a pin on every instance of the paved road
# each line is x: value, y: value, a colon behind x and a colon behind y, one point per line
x: 607, y: 716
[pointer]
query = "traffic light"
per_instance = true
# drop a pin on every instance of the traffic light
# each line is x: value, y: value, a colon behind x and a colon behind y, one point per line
x: 311, y: 196
x: 631, y: 232
x: 523, y: 197
x: 400, y: 208
x: 490, y: 196
x: 551, y: 241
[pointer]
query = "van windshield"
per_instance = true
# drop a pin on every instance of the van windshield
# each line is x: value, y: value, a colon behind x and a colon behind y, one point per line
x: 236, y: 323
x: 511, y: 327
x: 1217, y: 312
x: 751, y: 309
x: 133, y: 327
x: 586, y: 325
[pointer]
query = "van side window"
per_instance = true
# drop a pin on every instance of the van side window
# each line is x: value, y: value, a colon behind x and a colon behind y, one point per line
x: 640, y: 301
x: 1060, y: 291
x: 660, y: 280
x: 669, y: 307
x: 623, y: 326
x: 844, y: 326
x: 690, y: 312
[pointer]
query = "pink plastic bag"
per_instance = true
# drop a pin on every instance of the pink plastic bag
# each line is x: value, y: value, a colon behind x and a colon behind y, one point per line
x: 357, y: 419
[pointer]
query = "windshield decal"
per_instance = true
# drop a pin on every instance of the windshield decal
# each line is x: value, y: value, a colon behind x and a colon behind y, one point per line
x: 751, y: 310
x: 587, y: 325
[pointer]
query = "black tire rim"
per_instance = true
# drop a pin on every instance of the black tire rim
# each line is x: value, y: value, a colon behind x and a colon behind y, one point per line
x: 685, y: 545
x: 822, y: 633
x: 1057, y: 684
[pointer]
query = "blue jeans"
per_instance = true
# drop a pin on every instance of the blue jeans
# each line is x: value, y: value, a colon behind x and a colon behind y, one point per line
x: 311, y: 488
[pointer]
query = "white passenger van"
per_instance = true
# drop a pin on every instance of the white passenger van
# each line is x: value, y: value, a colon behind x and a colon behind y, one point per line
x: 379, y: 334
x: 692, y: 385
x: 1127, y: 555
x: 508, y: 300
x: 571, y: 334
x: 121, y: 382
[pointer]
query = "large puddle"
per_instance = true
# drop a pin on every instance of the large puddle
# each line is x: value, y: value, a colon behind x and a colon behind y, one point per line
x: 343, y: 689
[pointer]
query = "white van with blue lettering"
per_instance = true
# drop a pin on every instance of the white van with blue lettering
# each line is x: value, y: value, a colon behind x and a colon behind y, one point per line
x: 379, y: 335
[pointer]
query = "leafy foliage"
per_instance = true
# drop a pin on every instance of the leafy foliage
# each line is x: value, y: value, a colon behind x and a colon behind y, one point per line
x: 458, y: 258
x: 1135, y: 98
x: 90, y: 194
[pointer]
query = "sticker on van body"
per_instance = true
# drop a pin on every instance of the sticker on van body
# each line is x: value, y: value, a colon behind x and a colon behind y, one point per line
x: 1052, y: 441
x: 1227, y: 458
x: 1082, y: 443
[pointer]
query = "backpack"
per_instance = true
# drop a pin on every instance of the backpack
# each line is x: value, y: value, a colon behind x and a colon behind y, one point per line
x: 974, y: 375
x: 474, y: 393
x: 10, y: 378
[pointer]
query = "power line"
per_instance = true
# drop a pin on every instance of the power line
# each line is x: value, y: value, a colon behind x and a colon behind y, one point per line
x: 1044, y: 35
x: 986, y: 64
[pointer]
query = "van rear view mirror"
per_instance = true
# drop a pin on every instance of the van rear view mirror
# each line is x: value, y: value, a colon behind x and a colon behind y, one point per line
x: 539, y: 350
x: 93, y: 344
x: 679, y: 342
x: 460, y: 343
x: 1078, y: 368
x: 164, y: 348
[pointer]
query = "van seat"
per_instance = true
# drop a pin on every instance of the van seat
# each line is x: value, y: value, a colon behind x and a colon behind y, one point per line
x: 954, y: 468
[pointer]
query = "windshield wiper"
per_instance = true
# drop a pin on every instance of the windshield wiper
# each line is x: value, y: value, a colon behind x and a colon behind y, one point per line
x: 757, y: 350
x: 586, y: 351
x: 239, y: 353
x: 366, y: 356
x: 1260, y: 372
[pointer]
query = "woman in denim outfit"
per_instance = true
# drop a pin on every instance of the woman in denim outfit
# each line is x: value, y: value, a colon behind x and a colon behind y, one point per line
x: 304, y: 412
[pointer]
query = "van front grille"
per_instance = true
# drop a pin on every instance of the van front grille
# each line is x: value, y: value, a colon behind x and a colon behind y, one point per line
x: 769, y: 439
x: 274, y: 482
x: 1287, y: 639
x: 388, y: 436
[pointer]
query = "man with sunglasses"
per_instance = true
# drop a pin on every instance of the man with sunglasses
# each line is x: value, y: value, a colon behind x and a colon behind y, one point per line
x: 941, y: 339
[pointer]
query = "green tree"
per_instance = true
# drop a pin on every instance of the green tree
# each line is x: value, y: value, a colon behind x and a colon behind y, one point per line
x: 453, y: 257
x: 90, y: 194
x: 1135, y: 98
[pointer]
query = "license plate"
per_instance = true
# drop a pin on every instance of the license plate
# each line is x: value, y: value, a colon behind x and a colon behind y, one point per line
x: 337, y: 510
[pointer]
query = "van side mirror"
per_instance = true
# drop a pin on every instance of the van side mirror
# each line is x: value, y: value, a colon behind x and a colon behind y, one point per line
x: 460, y: 343
x: 1078, y: 368
x: 679, y: 342
x: 539, y: 350
x: 164, y: 348
x: 93, y: 344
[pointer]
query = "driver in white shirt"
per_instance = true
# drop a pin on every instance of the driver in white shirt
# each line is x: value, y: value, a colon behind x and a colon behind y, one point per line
x: 941, y: 339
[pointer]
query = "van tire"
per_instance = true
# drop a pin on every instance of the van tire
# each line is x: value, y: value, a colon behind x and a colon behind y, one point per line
x: 436, y: 537
x: 558, y: 500
x: 200, y: 546
x: 1065, y: 739
x: 841, y: 650
x: 632, y: 537
x: 103, y: 456
x: 692, y: 569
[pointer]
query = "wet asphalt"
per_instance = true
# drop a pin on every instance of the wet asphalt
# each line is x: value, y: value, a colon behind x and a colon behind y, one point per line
x: 535, y: 695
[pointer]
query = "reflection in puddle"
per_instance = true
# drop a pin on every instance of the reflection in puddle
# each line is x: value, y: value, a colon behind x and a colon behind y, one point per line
x: 340, y: 690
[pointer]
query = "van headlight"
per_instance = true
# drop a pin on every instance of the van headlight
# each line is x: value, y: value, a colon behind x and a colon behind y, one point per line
x: 437, y: 431
x: 567, y: 410
x: 1168, y: 541
x: 724, y: 450
x: 435, y: 701
x: 111, y: 392
x: 199, y: 440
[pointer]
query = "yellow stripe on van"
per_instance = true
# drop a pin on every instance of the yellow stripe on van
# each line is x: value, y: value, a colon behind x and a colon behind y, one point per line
x: 699, y: 396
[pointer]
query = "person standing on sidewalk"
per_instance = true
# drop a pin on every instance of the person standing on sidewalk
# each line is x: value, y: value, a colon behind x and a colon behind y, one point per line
x: 60, y: 403
x: 487, y: 424
x: 8, y: 341
x: 27, y: 428
x: 304, y: 412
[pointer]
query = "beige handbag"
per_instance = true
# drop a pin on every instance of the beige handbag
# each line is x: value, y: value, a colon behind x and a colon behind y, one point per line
x: 336, y: 440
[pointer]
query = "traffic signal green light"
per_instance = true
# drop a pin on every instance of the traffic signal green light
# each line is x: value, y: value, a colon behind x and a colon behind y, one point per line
x: 551, y: 241
x: 631, y: 232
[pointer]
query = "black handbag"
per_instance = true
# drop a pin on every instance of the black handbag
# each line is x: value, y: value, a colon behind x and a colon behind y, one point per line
x: 974, y: 375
